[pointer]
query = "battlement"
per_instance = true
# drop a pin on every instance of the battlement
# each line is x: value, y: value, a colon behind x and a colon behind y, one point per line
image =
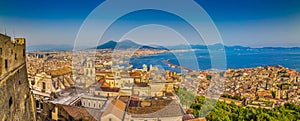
x: 20, y: 41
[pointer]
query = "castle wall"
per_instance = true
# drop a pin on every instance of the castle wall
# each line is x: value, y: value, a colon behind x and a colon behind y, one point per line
x: 16, y: 101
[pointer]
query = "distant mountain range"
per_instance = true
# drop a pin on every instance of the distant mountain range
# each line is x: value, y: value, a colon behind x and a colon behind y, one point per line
x: 220, y: 46
x: 126, y: 44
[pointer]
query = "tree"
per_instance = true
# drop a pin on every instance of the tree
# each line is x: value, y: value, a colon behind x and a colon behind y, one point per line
x: 226, y: 112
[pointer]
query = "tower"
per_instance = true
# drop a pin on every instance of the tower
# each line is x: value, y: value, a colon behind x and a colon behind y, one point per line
x: 267, y: 84
x: 16, y: 100
x: 145, y: 68
x: 89, y: 72
x: 89, y: 68
x: 150, y: 68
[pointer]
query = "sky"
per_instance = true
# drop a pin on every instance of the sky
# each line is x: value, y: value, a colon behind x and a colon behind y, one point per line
x: 254, y: 23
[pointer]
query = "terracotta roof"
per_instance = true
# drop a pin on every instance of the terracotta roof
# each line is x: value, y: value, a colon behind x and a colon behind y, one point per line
x: 124, y: 98
x: 135, y: 74
x: 59, y: 72
x: 116, y: 108
x: 79, y: 113
x: 263, y: 94
x: 108, y: 89
x: 105, y: 84
x: 101, y: 80
x: 119, y: 104
x: 188, y: 117
x: 171, y: 110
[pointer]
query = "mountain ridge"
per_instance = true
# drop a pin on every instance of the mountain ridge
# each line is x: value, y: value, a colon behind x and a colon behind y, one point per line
x: 127, y: 43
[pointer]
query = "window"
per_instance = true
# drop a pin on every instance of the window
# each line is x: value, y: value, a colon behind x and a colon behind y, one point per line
x: 37, y: 104
x: 44, y: 85
x: 24, y: 52
x: 15, y: 56
x: 110, y: 119
x: 10, y: 101
x: 6, y: 64
x: 0, y: 51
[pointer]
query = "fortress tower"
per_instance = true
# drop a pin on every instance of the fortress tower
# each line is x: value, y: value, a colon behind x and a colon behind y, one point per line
x: 16, y: 102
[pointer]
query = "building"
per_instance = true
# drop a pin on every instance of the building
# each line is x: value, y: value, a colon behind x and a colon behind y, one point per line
x: 94, y: 102
x: 53, y: 81
x: 17, y: 103
x: 59, y: 112
x: 154, y: 110
x: 89, y: 71
x: 115, y: 111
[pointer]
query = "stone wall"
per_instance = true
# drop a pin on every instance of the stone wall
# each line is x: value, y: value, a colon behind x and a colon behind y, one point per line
x: 16, y: 100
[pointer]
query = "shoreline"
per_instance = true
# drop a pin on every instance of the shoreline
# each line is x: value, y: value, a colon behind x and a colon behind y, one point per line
x: 177, y: 66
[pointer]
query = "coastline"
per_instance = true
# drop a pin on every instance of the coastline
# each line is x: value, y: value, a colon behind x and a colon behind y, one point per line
x: 235, y: 60
x: 177, y: 66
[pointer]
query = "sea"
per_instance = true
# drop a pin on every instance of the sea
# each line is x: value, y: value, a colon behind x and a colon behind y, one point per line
x: 200, y: 59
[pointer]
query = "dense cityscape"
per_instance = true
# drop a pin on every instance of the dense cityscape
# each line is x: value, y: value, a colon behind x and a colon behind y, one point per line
x: 139, y: 60
x: 102, y: 87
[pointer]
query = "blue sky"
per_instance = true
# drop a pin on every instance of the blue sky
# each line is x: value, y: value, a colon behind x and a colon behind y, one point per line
x: 254, y: 23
